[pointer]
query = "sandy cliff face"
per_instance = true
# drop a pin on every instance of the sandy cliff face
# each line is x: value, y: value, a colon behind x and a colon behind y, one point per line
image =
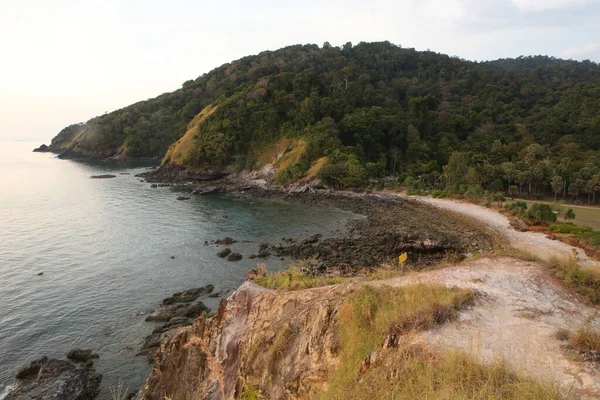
x: 283, y: 342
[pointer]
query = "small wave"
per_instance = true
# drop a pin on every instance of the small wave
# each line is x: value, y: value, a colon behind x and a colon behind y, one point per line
x: 6, y: 391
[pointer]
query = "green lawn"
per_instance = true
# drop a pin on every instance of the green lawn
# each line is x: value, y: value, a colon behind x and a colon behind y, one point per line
x: 588, y: 216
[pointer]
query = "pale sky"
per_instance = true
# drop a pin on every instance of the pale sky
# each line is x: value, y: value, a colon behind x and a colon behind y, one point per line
x: 65, y: 61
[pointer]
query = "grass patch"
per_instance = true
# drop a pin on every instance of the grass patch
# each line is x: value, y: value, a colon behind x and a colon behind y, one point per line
x: 585, y: 339
x: 569, y: 228
x: 416, y: 372
x: 371, y: 313
x: 562, y: 335
x: 293, y: 279
x: 250, y: 393
x: 584, y: 281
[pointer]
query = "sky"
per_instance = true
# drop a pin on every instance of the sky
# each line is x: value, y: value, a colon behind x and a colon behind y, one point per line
x: 64, y: 61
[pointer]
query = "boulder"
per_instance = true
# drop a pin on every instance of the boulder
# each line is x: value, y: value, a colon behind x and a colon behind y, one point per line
x: 224, y: 253
x: 226, y: 241
x: 234, y: 257
x: 81, y: 355
x: 181, y: 198
x: 56, y: 379
x: 165, y: 313
x: 189, y: 295
x: 263, y: 254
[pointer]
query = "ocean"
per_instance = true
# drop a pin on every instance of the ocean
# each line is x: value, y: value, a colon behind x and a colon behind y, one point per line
x: 105, y: 248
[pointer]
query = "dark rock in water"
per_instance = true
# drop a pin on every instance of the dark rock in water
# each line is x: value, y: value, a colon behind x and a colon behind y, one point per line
x: 40, y: 274
x: 183, y: 198
x: 252, y: 256
x: 81, y: 355
x: 234, y: 257
x: 55, y: 379
x: 263, y: 254
x: 105, y: 176
x: 165, y: 313
x: 42, y: 149
x: 205, y: 191
x: 312, y: 239
x: 189, y: 295
x: 225, y: 241
x: 154, y: 186
x: 224, y: 253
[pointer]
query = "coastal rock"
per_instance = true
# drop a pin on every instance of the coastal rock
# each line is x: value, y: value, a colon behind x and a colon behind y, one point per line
x: 205, y: 191
x: 105, y: 176
x: 224, y: 253
x: 80, y: 355
x: 234, y: 257
x: 189, y: 295
x: 263, y: 254
x: 226, y: 241
x: 165, y: 313
x: 42, y: 149
x: 154, y: 186
x: 55, y: 379
x: 181, y: 198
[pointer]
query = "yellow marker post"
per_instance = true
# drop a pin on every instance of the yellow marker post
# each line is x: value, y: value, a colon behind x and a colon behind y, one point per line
x: 402, y: 258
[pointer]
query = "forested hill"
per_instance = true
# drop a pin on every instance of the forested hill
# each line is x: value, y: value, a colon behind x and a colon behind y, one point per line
x: 352, y: 113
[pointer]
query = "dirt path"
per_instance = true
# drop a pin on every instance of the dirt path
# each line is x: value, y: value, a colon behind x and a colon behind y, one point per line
x: 531, y: 242
x: 518, y: 311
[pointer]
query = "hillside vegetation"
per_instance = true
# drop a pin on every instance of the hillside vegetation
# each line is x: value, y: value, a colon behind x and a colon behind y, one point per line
x: 529, y: 125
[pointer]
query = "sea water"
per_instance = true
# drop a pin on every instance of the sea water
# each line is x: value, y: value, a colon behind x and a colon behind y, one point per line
x: 106, y: 247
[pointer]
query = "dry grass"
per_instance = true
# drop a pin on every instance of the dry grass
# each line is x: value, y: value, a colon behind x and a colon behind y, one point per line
x: 283, y: 153
x: 562, y: 335
x: 371, y: 313
x: 293, y: 279
x: 179, y: 150
x: 585, y: 339
x: 416, y: 372
x: 315, y: 168
x: 584, y: 281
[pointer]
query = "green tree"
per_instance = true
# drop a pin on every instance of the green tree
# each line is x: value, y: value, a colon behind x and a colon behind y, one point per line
x: 557, y: 185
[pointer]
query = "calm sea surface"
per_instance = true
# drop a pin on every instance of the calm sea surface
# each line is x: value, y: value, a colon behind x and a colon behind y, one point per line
x: 104, y: 247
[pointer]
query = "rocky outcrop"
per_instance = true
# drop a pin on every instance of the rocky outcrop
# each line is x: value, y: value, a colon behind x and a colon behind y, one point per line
x: 283, y: 342
x: 42, y: 149
x: 234, y: 257
x: 286, y: 343
x: 104, y: 176
x: 81, y: 355
x: 176, y: 311
x: 49, y: 378
x: 224, y: 253
x: 170, y: 172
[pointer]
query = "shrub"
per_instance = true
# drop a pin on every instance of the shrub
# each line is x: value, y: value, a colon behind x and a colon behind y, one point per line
x: 474, y: 192
x: 570, y: 214
x: 569, y: 228
x: 540, y: 213
x: 516, y: 208
x: 438, y: 194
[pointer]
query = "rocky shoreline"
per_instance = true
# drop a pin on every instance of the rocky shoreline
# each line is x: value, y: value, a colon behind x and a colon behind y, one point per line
x: 391, y: 226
